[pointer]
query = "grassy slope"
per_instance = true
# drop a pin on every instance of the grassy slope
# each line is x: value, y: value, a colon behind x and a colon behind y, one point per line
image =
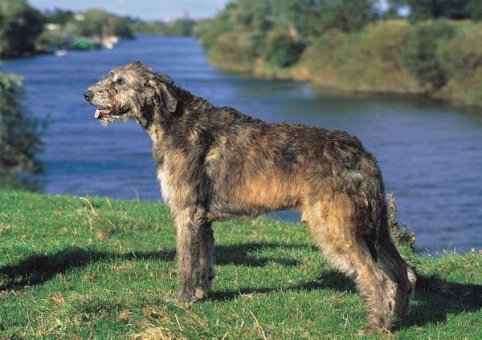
x: 94, y: 267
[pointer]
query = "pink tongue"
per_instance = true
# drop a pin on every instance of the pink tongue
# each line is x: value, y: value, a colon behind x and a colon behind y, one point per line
x: 99, y: 113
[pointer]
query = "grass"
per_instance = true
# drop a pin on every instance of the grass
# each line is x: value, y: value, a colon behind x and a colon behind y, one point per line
x: 75, y: 267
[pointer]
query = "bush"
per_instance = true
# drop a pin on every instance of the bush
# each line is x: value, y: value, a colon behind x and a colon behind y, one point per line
x: 19, y: 135
x: 402, y: 236
x: 50, y: 41
x: 97, y: 22
x: 230, y: 51
x: 318, y: 61
x: 370, y: 60
x: 346, y: 15
x: 208, y: 31
x: 461, y: 57
x: 474, y: 9
x: 20, y: 25
x: 421, y: 53
x: 281, y: 50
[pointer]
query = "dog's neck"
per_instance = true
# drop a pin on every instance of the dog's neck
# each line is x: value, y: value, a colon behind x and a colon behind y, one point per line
x: 167, y: 129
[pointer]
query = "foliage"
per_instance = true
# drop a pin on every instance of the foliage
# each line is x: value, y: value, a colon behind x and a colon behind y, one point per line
x: 96, y: 22
x: 232, y: 51
x: 208, y: 31
x: 346, y: 15
x: 179, y: 27
x: 318, y: 61
x: 19, y: 135
x: 338, y: 44
x: 401, y: 235
x: 49, y: 41
x: 281, y: 50
x: 278, y: 31
x: 91, y: 267
x: 20, y: 25
x: 370, y: 61
x: 451, y: 9
x: 461, y: 57
x: 421, y: 53
x: 474, y: 9
x: 59, y: 16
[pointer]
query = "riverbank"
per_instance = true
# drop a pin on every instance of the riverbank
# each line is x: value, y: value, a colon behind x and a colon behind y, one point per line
x: 436, y: 59
x: 83, y: 266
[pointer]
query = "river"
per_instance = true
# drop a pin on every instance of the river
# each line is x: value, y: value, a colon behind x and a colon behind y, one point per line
x: 429, y: 152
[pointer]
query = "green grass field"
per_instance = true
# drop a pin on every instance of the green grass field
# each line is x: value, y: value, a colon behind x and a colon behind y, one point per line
x: 91, y: 267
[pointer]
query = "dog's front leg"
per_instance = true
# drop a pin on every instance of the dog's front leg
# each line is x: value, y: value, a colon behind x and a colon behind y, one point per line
x: 191, y: 236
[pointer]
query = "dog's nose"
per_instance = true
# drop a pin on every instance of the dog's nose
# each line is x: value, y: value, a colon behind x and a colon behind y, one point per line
x: 88, y: 95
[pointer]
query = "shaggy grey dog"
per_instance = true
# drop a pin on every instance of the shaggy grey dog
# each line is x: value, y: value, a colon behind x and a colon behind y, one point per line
x: 216, y: 163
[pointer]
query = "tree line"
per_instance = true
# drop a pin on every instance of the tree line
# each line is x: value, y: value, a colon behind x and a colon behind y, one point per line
x: 24, y: 30
x: 420, y: 47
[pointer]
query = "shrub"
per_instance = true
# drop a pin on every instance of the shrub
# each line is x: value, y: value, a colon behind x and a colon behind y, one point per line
x: 318, y: 61
x: 207, y: 31
x: 281, y: 50
x: 19, y: 135
x: 462, y: 58
x: 474, y: 9
x: 346, y: 15
x: 20, y: 25
x: 370, y: 60
x: 462, y: 55
x: 97, y: 22
x: 421, y: 53
x: 230, y: 51
x: 402, y: 236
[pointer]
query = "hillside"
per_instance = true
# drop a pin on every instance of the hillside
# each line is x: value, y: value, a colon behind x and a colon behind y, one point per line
x: 81, y: 267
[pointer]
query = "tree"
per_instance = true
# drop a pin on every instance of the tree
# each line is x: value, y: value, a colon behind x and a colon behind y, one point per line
x: 346, y: 15
x: 20, y: 25
x: 96, y: 22
x: 19, y: 136
x: 432, y: 9
x: 59, y: 16
x: 474, y: 8
x: 421, y: 53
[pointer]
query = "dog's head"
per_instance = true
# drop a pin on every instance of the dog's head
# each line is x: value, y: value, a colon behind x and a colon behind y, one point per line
x: 131, y: 92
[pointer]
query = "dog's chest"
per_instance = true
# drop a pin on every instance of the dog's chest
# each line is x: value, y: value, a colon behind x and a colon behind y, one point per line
x: 166, y: 186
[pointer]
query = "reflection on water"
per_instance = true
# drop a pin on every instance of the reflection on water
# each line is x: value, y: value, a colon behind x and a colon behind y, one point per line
x: 430, y: 154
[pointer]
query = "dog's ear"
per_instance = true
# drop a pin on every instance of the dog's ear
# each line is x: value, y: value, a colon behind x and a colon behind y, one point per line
x: 168, y: 99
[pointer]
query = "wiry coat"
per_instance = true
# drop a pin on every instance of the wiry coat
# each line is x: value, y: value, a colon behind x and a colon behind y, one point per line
x: 216, y: 163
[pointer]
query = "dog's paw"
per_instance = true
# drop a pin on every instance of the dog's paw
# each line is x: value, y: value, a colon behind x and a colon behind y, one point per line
x: 373, y: 329
x: 186, y: 297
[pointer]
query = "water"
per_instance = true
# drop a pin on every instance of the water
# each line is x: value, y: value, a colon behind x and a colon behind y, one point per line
x: 430, y: 154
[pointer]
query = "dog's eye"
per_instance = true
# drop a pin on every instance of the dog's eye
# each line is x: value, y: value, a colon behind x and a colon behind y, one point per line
x: 120, y: 81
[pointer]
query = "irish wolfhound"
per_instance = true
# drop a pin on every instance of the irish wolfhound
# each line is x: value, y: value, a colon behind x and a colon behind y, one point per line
x: 216, y: 163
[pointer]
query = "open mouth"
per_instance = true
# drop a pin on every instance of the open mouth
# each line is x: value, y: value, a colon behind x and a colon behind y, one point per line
x: 106, y: 113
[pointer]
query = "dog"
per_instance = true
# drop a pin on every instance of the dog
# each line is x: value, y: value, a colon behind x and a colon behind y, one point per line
x: 214, y: 163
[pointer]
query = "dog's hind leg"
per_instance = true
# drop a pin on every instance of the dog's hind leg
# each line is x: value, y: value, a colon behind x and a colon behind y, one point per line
x: 398, y: 270
x: 207, y: 258
x: 332, y: 223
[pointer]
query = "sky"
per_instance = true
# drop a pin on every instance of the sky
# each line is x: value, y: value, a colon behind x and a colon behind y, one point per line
x: 143, y: 9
